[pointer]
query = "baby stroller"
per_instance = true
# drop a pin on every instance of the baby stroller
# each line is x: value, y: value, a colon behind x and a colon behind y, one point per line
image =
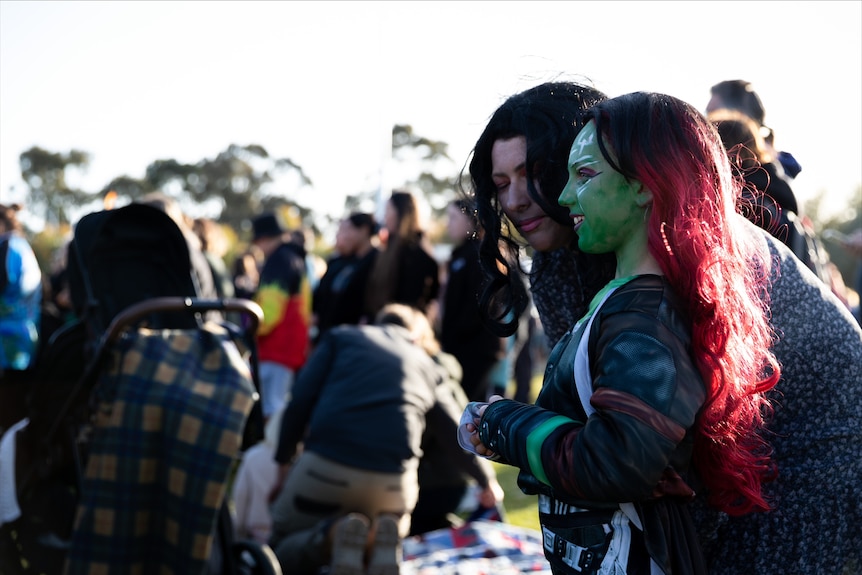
x: 137, y: 413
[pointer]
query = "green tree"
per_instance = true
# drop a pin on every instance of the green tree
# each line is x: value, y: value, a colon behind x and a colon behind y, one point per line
x: 129, y: 187
x: 418, y: 164
x: 45, y: 173
x: 424, y: 164
x: 845, y: 221
x: 236, y: 185
x: 359, y: 201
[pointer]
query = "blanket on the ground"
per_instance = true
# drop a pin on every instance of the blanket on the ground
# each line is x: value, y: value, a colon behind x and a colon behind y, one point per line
x: 476, y: 548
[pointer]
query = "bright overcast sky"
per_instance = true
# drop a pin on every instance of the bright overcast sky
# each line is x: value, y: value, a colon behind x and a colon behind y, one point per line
x: 322, y: 83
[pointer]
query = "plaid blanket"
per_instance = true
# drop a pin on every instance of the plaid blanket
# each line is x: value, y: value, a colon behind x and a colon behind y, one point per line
x: 171, y: 410
x: 476, y: 548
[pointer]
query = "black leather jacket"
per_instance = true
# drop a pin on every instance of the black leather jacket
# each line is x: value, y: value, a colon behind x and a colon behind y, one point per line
x: 647, y: 392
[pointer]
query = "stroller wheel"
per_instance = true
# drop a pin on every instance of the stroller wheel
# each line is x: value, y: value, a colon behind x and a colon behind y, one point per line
x: 253, y: 558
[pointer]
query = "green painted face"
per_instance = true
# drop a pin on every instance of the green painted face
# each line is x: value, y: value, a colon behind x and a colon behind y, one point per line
x: 606, y: 209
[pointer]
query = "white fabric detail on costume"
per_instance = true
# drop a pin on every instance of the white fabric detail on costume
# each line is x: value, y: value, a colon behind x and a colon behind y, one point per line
x: 616, y: 560
x: 583, y: 377
x: 584, y: 383
x: 9, y: 509
x: 551, y: 506
x: 632, y: 514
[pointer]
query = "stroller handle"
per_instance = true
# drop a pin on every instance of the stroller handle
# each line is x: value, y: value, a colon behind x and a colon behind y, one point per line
x: 193, y: 305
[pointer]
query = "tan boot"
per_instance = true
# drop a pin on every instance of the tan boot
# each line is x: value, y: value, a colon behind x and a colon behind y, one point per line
x: 385, y: 557
x: 349, y: 540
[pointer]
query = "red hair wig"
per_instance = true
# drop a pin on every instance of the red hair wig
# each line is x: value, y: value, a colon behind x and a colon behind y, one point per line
x: 670, y: 148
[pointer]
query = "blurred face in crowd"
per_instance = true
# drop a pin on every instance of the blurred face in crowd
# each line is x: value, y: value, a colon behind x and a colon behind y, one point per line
x: 459, y: 225
x: 345, y: 238
x: 391, y: 219
x: 509, y: 170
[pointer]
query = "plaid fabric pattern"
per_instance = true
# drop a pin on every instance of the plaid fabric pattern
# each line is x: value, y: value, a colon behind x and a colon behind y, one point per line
x: 171, y: 410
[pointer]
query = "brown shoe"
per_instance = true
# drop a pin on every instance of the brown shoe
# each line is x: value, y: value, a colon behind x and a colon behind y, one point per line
x: 350, y: 538
x: 385, y: 556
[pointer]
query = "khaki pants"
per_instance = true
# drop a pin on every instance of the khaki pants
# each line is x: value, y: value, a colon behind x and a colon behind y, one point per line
x: 318, y: 491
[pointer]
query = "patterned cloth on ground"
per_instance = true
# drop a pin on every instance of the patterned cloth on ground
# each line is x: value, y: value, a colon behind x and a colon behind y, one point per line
x: 171, y: 408
x: 476, y: 548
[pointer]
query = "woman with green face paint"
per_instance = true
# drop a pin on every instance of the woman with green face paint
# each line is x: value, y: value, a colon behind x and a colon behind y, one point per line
x: 607, y: 209
x: 659, y: 388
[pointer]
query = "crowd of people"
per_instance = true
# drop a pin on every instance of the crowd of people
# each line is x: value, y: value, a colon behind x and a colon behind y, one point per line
x: 699, y: 411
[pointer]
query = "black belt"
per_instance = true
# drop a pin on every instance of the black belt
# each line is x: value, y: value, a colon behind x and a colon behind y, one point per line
x: 573, y: 555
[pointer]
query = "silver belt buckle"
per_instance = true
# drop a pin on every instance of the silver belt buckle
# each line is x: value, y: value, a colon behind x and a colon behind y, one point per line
x: 572, y: 555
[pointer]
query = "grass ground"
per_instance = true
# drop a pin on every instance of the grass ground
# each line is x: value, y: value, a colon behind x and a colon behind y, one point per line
x: 521, y: 510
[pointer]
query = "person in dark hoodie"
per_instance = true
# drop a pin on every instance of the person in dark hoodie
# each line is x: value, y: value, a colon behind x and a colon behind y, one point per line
x: 351, y: 441
x: 462, y: 331
x: 405, y: 270
x: 340, y: 296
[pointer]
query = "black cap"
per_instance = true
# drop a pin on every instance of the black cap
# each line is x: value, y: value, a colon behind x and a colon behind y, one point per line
x: 266, y: 226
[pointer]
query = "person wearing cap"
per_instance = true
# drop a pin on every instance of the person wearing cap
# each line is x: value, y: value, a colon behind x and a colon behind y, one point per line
x: 284, y: 296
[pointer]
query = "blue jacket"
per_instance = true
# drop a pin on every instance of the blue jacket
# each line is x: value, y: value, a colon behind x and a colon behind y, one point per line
x: 20, y: 303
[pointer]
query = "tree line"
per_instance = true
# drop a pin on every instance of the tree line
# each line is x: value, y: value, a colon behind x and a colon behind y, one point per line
x: 237, y: 182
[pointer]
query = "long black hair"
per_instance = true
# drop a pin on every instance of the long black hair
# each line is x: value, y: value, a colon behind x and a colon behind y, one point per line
x: 548, y: 116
